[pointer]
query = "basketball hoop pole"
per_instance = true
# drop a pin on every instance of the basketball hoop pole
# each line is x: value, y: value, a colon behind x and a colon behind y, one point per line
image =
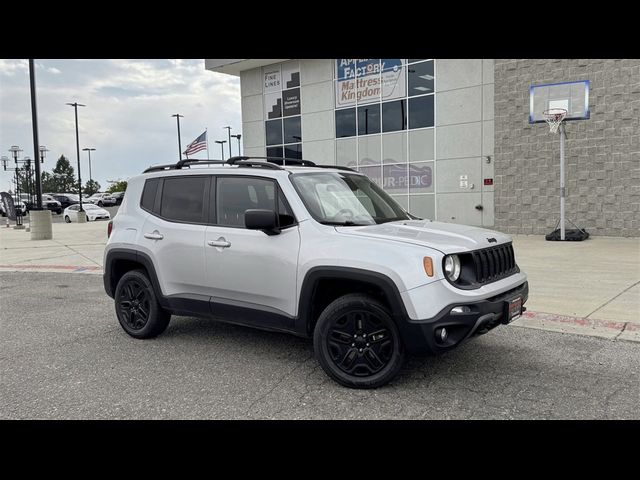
x: 562, y: 137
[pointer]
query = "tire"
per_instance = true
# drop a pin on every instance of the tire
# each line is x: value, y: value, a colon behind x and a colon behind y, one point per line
x: 358, y: 314
x: 67, y: 219
x: 58, y: 212
x: 135, y: 285
x: 100, y: 204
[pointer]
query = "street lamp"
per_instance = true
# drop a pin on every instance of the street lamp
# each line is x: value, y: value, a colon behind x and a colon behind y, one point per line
x: 177, y: 115
x: 229, y: 131
x: 238, y: 137
x: 75, y: 105
x: 43, y: 153
x: 89, y: 150
x: 222, y: 142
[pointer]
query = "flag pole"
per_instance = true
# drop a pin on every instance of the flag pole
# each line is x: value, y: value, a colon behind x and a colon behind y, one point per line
x: 207, y: 136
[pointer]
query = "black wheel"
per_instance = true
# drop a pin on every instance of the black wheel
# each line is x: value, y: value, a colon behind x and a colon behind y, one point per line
x: 67, y: 219
x: 99, y: 204
x: 58, y: 212
x: 357, y: 342
x: 137, y: 307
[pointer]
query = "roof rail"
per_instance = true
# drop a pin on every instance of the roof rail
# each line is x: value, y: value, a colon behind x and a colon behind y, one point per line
x: 274, y: 163
x: 275, y: 160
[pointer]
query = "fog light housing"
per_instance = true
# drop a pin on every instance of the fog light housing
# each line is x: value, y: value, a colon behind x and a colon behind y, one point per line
x: 460, y: 310
x: 441, y: 335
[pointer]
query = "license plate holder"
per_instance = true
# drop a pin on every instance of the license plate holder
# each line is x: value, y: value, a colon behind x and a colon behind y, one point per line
x: 513, y: 309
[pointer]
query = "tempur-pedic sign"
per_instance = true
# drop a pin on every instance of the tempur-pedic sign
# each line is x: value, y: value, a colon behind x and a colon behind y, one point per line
x: 368, y: 80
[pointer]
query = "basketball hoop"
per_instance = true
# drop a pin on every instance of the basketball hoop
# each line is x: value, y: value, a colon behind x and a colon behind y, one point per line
x: 554, y: 117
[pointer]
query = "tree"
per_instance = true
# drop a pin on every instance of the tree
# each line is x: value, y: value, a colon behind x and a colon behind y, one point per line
x: 90, y: 188
x: 119, y: 186
x: 48, y: 183
x: 64, y: 176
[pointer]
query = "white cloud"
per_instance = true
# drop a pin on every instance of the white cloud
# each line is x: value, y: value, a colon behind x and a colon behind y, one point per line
x: 128, y: 113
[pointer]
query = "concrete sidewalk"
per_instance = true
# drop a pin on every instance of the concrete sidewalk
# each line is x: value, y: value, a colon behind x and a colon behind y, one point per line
x: 590, y: 287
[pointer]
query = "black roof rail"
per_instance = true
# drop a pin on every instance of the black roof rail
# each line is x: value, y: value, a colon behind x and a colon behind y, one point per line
x: 275, y: 160
x: 275, y: 163
x: 249, y: 163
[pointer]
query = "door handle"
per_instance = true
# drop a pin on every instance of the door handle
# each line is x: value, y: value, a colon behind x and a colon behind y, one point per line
x: 220, y: 243
x: 155, y: 235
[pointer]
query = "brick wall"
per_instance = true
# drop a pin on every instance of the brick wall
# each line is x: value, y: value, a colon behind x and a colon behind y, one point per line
x: 602, y: 154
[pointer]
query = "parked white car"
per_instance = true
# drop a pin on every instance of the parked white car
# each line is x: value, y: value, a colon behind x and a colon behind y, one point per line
x: 101, y: 199
x: 93, y: 213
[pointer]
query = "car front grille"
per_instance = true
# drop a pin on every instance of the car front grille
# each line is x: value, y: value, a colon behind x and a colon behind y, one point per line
x: 494, y: 263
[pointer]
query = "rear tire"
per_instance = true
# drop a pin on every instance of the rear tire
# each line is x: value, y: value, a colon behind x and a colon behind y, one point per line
x: 357, y: 343
x: 137, y: 307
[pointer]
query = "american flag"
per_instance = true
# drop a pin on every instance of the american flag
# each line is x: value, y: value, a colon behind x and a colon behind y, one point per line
x: 197, y: 145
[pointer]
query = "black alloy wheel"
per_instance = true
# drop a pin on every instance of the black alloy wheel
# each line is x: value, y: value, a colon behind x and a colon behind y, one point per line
x: 358, y: 343
x: 137, y: 307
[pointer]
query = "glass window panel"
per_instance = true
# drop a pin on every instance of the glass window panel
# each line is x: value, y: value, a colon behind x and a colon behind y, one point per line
x: 374, y: 173
x: 394, y: 147
x: 394, y: 116
x: 148, y: 195
x: 369, y: 150
x: 291, y: 102
x: 421, y: 177
x: 293, y: 151
x: 421, y: 112
x: 421, y: 79
x: 274, y: 132
x: 183, y: 199
x: 393, y: 79
x: 346, y: 152
x: 292, y: 130
x: 346, y: 122
x: 369, y: 119
x: 235, y: 195
x: 275, y: 152
x: 273, y: 105
x: 395, y: 178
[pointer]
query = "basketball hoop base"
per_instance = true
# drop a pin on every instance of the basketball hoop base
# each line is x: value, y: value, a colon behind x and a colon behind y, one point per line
x: 569, y: 235
x: 576, y: 235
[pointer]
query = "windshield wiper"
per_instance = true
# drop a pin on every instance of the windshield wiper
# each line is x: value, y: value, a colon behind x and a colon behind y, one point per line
x: 347, y: 223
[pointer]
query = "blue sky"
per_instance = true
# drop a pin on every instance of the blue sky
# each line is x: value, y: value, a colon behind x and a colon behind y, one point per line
x: 128, y: 114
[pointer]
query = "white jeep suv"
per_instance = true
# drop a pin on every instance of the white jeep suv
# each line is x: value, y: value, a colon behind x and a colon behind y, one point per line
x: 317, y: 251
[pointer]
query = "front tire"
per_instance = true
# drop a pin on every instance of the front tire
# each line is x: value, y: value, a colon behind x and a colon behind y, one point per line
x: 357, y: 343
x: 67, y: 219
x: 100, y: 204
x: 137, y: 307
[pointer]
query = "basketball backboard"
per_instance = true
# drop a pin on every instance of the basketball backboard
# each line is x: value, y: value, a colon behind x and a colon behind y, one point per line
x: 571, y: 96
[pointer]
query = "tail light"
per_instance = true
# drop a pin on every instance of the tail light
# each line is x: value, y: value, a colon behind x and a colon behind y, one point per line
x: 109, y: 228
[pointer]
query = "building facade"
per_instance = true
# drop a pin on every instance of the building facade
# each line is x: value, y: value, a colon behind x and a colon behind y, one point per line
x: 449, y: 139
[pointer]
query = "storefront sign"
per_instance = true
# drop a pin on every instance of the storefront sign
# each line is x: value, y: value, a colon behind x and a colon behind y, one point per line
x: 368, y: 80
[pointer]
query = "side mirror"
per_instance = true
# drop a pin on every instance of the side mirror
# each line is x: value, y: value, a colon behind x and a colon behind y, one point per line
x: 259, y: 219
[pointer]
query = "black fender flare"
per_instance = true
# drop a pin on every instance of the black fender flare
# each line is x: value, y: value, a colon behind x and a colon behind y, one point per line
x: 315, y: 274
x: 132, y: 255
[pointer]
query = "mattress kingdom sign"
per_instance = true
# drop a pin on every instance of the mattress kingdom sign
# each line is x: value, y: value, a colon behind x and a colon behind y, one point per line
x: 368, y: 80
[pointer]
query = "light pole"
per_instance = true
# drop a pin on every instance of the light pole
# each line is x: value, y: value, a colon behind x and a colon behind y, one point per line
x: 222, y: 142
x: 43, y: 153
x: 36, y: 143
x: 229, y: 131
x: 75, y: 105
x: 177, y: 115
x: 238, y: 137
x: 89, y: 150
x: 15, y: 149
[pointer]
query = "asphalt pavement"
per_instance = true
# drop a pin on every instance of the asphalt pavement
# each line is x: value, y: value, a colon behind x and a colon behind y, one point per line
x: 63, y: 355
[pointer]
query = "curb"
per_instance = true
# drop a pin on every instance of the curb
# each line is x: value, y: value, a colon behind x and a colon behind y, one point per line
x: 580, y: 326
x: 92, y: 269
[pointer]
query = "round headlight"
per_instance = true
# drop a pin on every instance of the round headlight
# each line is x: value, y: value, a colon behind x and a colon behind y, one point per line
x: 452, y: 267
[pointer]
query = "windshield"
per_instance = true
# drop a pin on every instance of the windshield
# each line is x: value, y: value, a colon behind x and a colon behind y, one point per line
x: 90, y: 206
x: 337, y: 198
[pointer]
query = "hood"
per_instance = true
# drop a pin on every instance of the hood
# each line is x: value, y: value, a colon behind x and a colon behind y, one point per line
x: 445, y: 237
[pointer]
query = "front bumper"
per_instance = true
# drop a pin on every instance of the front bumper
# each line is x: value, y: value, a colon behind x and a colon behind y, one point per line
x: 420, y: 335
